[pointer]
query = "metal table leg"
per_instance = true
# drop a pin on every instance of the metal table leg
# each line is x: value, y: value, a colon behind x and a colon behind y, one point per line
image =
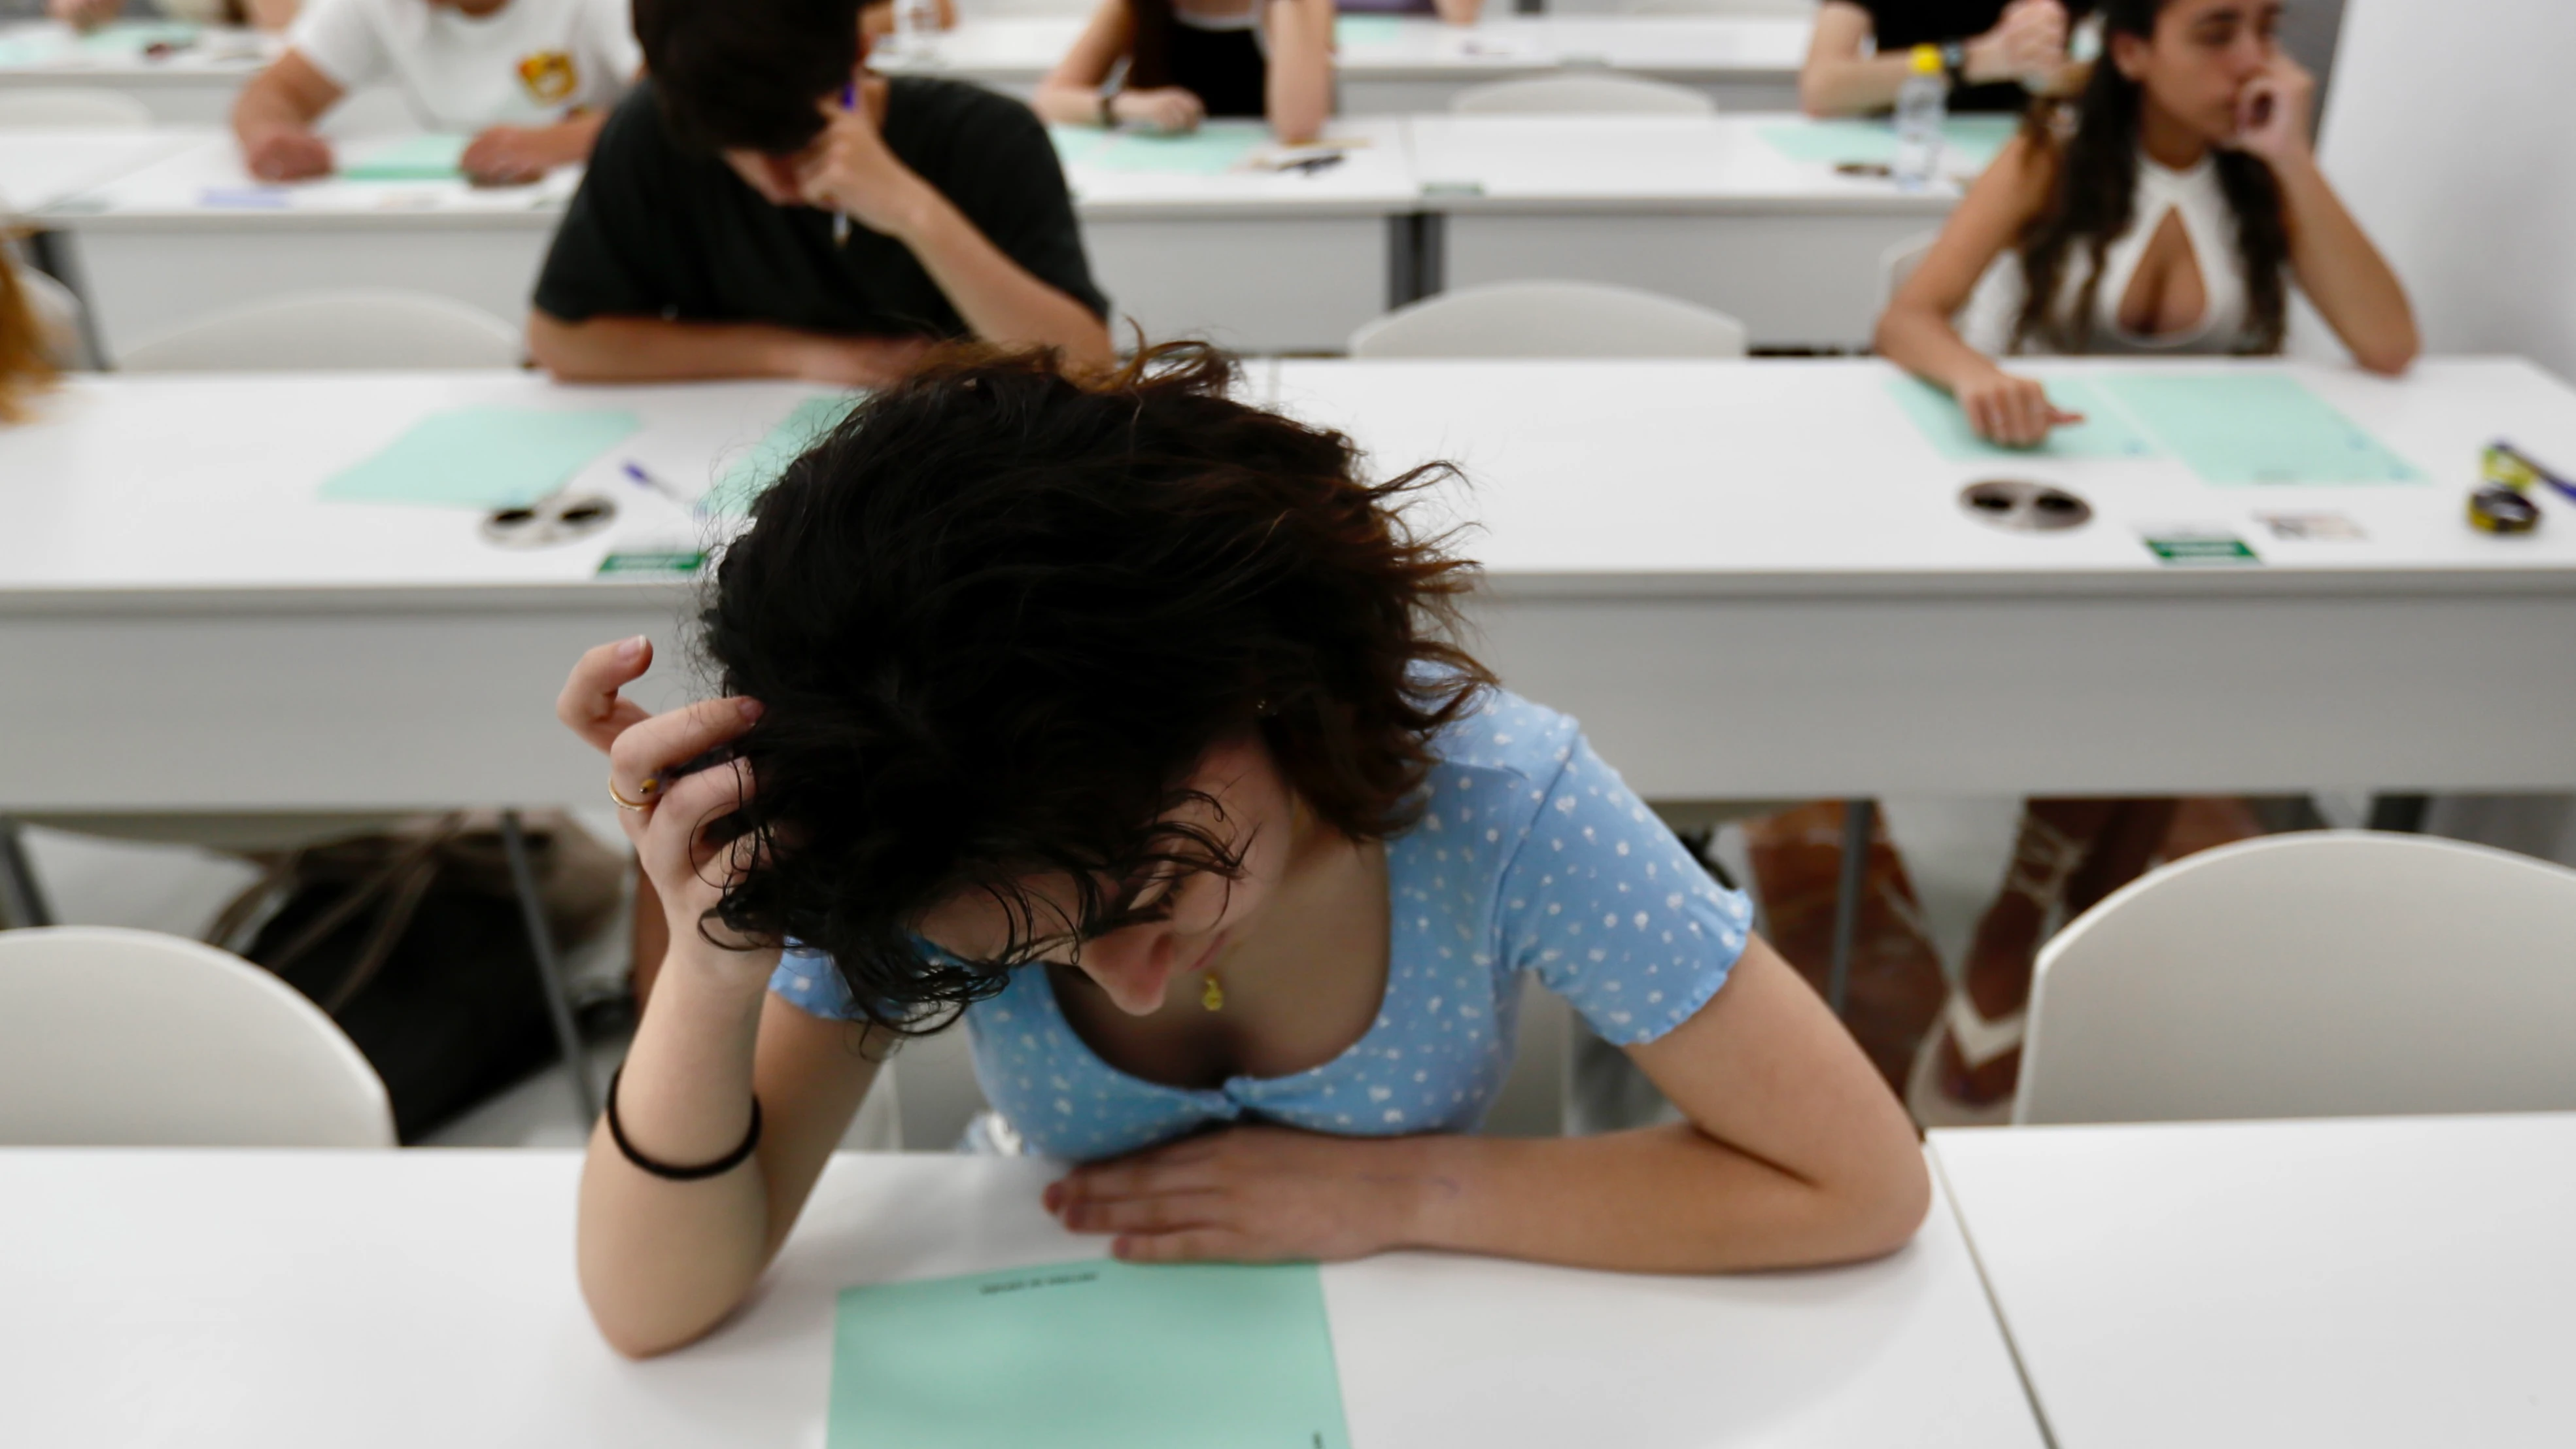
x: 523, y: 880
x: 1860, y: 818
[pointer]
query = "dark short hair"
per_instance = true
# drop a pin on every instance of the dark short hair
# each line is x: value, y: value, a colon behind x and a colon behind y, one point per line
x: 746, y: 74
x: 998, y: 615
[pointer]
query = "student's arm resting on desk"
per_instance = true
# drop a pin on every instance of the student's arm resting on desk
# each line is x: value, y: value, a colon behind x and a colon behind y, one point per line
x: 1071, y: 93
x: 1794, y: 1153
x: 509, y: 155
x: 1299, y: 98
x: 654, y: 349
x: 1915, y: 331
x: 2352, y: 285
x: 1458, y: 12
x: 876, y: 20
x: 662, y: 1262
x: 274, y: 115
x: 1842, y: 78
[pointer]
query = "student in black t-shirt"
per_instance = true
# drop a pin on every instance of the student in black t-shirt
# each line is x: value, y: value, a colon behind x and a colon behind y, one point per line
x: 1997, y: 52
x: 702, y: 242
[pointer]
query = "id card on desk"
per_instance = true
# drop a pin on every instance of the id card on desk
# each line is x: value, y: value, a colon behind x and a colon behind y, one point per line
x: 1090, y: 1355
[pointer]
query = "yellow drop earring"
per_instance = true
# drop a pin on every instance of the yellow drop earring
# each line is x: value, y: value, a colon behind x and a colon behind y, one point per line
x: 1212, y: 995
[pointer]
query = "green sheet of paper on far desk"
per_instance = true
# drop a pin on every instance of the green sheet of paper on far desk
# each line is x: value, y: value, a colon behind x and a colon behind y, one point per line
x: 1212, y: 149
x: 759, y: 465
x: 1091, y: 1355
x: 431, y: 157
x: 483, y: 457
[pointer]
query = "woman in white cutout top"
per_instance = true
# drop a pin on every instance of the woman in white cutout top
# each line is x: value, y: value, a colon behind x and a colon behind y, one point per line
x: 2165, y: 210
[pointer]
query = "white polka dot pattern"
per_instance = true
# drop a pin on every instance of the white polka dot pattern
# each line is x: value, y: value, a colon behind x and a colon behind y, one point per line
x: 1530, y: 855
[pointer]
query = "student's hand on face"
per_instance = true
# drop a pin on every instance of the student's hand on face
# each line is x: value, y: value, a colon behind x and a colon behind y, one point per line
x: 689, y: 871
x: 2029, y: 41
x: 288, y: 156
x: 84, y: 14
x: 1168, y: 110
x: 851, y: 170
x: 2014, y: 411
x: 509, y: 156
x: 2272, y: 111
x: 1244, y: 1194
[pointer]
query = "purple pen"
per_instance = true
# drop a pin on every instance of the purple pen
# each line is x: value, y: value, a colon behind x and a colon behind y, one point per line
x: 841, y: 219
x: 636, y: 471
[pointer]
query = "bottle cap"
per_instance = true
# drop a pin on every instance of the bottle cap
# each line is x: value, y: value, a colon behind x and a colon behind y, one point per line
x: 1926, y: 60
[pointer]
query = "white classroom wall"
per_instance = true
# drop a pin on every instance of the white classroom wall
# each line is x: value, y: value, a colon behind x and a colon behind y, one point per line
x: 2450, y: 141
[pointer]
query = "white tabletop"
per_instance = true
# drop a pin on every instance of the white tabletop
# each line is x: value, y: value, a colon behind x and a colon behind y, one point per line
x: 1692, y: 163
x: 1373, y: 178
x: 1400, y: 47
x: 1644, y: 477
x: 41, y: 167
x: 203, y: 184
x: 2349, y: 1283
x: 427, y: 1298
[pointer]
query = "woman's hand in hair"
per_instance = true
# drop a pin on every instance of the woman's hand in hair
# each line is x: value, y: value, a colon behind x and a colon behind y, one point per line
x: 2272, y: 111
x: 2014, y: 411
x: 1167, y: 110
x: 1249, y: 1195
x: 690, y: 866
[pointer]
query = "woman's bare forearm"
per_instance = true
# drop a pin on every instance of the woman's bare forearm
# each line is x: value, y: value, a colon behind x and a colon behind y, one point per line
x: 2351, y: 284
x: 1654, y: 1200
x: 1299, y: 98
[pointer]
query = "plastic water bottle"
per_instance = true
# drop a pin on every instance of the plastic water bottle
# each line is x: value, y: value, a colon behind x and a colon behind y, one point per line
x: 1920, y: 105
x: 915, y: 22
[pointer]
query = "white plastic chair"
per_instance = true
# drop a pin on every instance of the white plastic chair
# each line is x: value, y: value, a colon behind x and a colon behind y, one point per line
x: 1550, y: 319
x: 62, y: 108
x: 2322, y: 974
x: 133, y: 1039
x: 1581, y: 95
x: 1896, y: 264
x: 315, y: 331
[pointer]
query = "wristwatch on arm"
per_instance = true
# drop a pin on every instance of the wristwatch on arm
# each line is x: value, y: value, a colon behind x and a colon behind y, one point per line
x: 1954, y: 62
x: 1108, y: 108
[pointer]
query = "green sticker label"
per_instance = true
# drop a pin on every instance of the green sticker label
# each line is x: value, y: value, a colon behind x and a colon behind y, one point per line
x: 652, y: 563
x: 2200, y: 550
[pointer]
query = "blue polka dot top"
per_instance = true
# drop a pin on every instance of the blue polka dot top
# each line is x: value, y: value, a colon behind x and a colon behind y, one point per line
x: 1531, y: 855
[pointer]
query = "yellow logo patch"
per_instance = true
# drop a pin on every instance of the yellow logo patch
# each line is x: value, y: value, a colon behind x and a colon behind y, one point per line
x: 550, y: 76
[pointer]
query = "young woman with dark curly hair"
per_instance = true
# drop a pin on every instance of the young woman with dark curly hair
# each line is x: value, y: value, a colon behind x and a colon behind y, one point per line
x: 1120, y: 719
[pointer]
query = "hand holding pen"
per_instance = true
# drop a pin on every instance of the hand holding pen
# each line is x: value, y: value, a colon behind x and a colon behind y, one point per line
x: 850, y: 172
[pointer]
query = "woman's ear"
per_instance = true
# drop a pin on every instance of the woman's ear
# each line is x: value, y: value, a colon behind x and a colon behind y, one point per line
x: 2129, y: 53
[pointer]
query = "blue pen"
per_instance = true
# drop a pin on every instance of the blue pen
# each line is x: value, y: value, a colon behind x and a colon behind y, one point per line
x: 841, y: 219
x: 636, y: 471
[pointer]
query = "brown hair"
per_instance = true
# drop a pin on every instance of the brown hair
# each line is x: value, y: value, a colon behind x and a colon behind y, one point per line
x: 24, y: 366
x: 998, y: 615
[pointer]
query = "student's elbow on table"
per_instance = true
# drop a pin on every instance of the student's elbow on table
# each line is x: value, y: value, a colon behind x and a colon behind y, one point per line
x: 2389, y: 357
x: 1891, y: 1211
x: 555, y: 345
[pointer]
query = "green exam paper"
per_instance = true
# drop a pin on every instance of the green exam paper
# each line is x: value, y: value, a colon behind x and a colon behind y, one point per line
x: 2238, y: 429
x: 483, y: 457
x: 1089, y: 1355
x: 1211, y: 150
x: 2104, y: 433
x: 757, y: 468
x: 411, y: 158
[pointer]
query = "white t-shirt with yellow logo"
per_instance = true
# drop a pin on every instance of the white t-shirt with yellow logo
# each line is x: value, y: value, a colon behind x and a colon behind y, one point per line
x: 526, y: 64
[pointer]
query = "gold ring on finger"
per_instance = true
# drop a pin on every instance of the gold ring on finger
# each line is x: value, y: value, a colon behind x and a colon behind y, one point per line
x: 625, y: 804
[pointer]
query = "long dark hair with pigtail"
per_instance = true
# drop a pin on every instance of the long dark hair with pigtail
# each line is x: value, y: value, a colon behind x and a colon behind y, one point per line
x: 2093, y: 200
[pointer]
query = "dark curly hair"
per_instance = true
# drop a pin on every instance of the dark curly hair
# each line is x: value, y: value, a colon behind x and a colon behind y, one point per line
x: 1000, y: 612
x: 2093, y: 200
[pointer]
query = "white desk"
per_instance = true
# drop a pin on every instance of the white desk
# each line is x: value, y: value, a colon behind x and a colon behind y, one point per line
x: 1700, y: 208
x: 191, y: 86
x: 195, y: 234
x: 1257, y: 261
x: 41, y: 167
x: 1398, y: 64
x: 1755, y: 580
x: 2368, y: 1283
x: 426, y: 1298
x: 1750, y: 580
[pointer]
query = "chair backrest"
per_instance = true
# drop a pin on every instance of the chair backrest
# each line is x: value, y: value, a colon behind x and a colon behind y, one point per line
x: 1896, y: 264
x: 116, y: 1038
x: 320, y: 331
x: 1550, y: 319
x: 1585, y: 95
x: 67, y: 107
x: 2321, y: 974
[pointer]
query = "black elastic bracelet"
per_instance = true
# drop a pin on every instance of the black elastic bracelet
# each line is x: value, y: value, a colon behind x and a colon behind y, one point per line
x: 717, y: 1168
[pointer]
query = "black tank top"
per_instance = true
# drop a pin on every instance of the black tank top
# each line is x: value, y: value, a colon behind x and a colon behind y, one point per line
x: 1225, y: 69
